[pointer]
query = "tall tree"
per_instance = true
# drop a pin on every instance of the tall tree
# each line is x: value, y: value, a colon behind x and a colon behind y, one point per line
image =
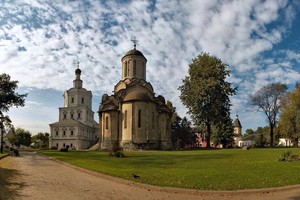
x: 290, y: 117
x: 8, y: 98
x: 268, y: 100
x: 205, y: 92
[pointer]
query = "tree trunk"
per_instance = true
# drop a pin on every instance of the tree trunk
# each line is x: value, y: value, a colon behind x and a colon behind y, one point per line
x: 208, y: 127
x: 271, y: 135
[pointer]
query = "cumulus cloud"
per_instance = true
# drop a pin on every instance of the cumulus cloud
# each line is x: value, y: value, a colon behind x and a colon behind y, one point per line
x: 43, y: 39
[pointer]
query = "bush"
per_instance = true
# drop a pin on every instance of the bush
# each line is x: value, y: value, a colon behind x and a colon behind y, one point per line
x: 53, y: 148
x: 116, y: 151
x: 287, y: 156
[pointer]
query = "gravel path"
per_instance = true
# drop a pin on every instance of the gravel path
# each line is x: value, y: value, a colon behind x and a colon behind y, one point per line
x: 43, y: 178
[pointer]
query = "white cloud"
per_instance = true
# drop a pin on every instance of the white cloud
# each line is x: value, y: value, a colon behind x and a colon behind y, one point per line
x: 170, y: 34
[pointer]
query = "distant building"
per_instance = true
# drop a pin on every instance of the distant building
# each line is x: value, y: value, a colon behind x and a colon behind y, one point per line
x: 285, y: 142
x: 133, y: 117
x: 76, y: 126
x: 248, y: 141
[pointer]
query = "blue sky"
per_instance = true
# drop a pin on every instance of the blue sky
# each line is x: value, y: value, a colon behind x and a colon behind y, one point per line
x: 40, y: 42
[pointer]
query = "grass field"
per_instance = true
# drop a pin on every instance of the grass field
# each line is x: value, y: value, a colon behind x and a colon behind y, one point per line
x: 224, y: 169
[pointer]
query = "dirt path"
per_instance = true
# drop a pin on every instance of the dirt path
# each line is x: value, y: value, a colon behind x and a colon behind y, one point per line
x: 39, y: 177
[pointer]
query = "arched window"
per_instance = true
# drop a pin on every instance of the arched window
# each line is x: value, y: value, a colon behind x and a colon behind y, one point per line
x: 139, y: 119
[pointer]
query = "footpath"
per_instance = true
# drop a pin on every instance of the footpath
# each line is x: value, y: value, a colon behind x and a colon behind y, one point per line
x: 33, y: 176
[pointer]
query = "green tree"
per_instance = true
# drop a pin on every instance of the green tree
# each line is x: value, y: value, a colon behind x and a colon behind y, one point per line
x: 249, y: 131
x: 8, y: 98
x: 21, y: 137
x: 40, y: 140
x: 268, y: 100
x: 290, y: 117
x: 174, y: 114
x: 223, y: 133
x: 205, y: 92
x: 182, y: 134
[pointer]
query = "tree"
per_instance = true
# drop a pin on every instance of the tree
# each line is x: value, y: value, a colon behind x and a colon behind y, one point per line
x: 205, y: 92
x: 4, y: 122
x: 182, y: 134
x: 290, y: 116
x: 223, y: 133
x: 249, y: 131
x: 268, y: 100
x: 21, y: 137
x: 8, y: 98
x: 40, y: 140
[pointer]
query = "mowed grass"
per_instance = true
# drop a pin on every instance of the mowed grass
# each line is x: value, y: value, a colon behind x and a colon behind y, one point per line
x: 224, y: 169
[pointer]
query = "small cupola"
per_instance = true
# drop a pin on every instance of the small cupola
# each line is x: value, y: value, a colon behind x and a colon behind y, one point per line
x: 77, y: 83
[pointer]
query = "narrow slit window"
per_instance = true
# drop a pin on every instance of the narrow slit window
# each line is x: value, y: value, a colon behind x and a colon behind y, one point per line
x: 125, y: 70
x: 134, y: 68
x: 106, y: 122
x: 153, y: 120
x: 139, y: 119
x: 125, y: 119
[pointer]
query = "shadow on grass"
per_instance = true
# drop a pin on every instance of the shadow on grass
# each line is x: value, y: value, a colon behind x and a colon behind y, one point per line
x: 9, y: 185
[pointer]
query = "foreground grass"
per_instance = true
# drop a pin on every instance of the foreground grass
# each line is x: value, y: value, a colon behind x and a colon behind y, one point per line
x: 226, y: 169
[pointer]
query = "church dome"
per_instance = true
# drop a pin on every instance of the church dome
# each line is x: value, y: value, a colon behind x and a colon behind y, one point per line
x: 137, y: 95
x: 77, y: 71
x: 134, y: 52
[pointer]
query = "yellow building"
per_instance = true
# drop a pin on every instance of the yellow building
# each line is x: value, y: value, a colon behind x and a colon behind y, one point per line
x: 133, y: 116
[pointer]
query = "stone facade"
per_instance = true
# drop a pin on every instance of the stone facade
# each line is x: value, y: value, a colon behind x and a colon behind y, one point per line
x: 76, y: 126
x: 133, y: 117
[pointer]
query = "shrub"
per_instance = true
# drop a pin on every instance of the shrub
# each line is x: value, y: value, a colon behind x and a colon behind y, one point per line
x: 116, y: 151
x: 287, y: 156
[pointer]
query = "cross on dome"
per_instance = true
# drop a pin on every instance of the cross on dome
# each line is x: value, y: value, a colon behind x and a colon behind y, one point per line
x: 135, y: 41
x: 77, y: 64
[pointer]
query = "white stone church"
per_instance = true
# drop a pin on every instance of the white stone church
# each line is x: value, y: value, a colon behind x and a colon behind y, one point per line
x: 76, y: 126
x: 133, y: 116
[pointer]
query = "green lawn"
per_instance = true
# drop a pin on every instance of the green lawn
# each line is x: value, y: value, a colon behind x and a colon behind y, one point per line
x: 224, y: 169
